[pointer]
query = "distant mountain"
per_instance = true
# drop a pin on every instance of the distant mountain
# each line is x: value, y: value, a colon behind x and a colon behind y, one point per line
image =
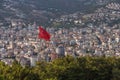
x: 42, y: 10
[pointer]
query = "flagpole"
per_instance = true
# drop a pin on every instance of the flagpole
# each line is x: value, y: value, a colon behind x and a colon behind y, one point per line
x: 43, y: 34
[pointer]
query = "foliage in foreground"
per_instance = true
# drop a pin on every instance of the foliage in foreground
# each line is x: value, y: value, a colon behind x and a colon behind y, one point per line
x: 68, y: 68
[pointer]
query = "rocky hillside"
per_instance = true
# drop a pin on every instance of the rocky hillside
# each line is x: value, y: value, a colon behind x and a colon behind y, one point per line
x: 43, y: 10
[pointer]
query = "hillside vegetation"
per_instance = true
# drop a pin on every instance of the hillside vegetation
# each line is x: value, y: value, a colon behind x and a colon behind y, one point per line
x: 68, y: 68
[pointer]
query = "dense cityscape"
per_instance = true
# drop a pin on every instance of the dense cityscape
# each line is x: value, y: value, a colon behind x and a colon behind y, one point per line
x: 22, y: 43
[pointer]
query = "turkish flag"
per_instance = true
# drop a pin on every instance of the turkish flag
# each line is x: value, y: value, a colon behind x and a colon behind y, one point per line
x: 43, y: 34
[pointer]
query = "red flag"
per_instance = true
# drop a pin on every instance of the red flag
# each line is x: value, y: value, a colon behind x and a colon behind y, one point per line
x: 44, y: 34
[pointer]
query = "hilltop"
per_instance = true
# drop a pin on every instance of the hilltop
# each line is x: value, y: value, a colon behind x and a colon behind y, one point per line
x: 42, y: 10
